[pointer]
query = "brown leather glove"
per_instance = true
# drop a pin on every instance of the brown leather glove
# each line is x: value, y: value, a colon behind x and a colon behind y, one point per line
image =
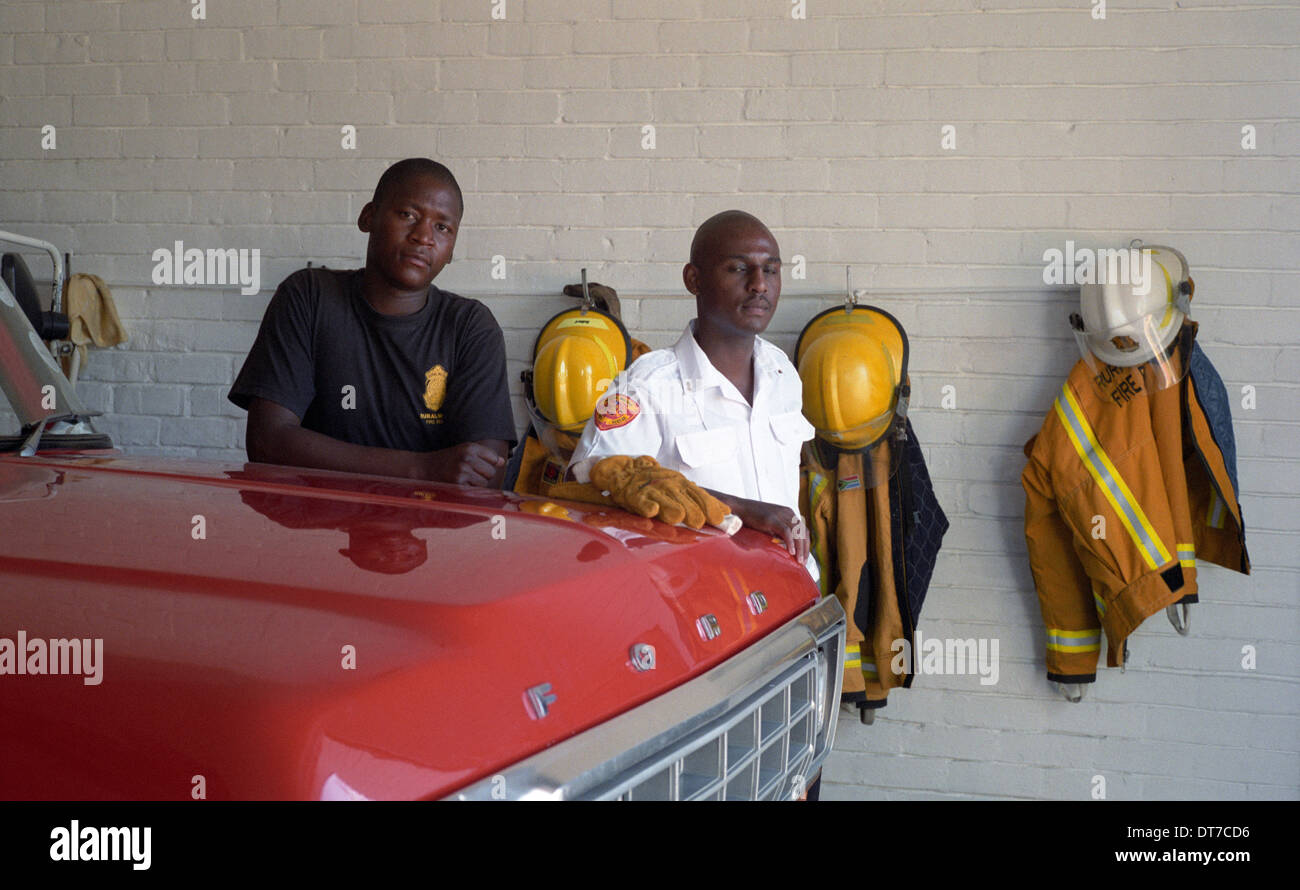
x: 583, y: 492
x: 641, y: 486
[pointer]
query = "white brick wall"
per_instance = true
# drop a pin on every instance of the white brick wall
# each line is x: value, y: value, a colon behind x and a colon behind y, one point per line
x: 226, y: 133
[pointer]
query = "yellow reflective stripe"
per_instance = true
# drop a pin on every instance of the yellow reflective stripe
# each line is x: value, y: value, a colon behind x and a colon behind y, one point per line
x: 1187, y: 556
x: 1215, y: 518
x: 870, y: 670
x: 1074, y: 641
x: 1112, y: 485
x: 1112, y: 482
x: 1101, y: 605
x: 852, y: 656
x: 1169, y: 301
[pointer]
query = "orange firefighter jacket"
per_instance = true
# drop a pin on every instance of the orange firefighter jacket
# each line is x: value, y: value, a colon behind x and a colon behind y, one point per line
x: 1125, y: 489
x: 876, y: 548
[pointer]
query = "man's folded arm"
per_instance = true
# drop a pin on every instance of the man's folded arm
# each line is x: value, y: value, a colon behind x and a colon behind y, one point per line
x: 276, y: 435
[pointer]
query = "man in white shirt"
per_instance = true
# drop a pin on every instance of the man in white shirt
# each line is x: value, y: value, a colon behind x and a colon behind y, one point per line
x: 722, y: 406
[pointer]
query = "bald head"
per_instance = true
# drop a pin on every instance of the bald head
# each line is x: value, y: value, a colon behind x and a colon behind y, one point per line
x: 716, y: 234
x: 735, y: 275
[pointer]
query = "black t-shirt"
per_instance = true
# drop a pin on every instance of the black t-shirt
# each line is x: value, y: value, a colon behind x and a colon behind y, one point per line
x: 417, y: 382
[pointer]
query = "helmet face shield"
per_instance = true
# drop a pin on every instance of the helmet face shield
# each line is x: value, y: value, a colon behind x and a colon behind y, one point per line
x: 1118, y: 384
x: 558, y: 442
x: 853, y: 364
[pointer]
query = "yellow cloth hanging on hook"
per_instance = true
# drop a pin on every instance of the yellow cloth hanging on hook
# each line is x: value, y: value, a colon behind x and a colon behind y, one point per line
x: 93, y: 316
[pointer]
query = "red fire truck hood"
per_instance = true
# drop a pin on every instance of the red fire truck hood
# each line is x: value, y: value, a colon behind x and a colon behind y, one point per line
x: 271, y: 632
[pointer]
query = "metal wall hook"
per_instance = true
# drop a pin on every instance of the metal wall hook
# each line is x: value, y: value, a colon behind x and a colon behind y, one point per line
x: 1181, y: 622
x: 587, y: 303
x: 851, y: 296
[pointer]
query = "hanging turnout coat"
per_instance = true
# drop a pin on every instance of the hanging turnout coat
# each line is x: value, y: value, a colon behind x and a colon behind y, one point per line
x: 1125, y: 490
x: 876, y: 549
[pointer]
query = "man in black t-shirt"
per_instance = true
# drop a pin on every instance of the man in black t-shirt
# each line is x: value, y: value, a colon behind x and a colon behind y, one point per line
x: 375, y: 370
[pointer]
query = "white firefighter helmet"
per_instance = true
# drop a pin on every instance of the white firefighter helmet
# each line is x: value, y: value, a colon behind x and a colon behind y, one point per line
x: 1136, y: 324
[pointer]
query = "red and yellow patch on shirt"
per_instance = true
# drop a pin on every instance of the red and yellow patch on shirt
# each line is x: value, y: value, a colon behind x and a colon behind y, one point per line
x: 616, y: 411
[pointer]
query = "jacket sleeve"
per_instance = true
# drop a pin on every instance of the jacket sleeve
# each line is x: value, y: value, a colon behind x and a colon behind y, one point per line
x: 1064, y: 588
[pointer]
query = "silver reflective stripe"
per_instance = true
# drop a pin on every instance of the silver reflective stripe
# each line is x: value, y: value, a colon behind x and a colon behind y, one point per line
x: 1063, y: 642
x: 1216, y: 510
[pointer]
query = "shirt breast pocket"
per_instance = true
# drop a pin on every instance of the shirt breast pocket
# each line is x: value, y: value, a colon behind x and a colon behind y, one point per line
x: 791, y: 430
x: 708, y: 458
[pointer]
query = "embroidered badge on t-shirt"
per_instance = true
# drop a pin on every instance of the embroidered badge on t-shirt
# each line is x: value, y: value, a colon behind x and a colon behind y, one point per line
x: 435, y: 390
x: 612, y: 413
x: 435, y: 387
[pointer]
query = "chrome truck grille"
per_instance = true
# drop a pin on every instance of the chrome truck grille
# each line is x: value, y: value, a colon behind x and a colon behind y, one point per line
x: 756, y: 727
x: 761, y: 751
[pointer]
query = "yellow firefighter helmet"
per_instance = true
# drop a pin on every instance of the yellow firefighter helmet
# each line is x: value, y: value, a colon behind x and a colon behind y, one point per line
x: 575, y: 359
x: 853, y: 363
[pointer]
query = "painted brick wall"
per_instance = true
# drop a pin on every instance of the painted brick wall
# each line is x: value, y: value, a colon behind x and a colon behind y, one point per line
x: 226, y: 132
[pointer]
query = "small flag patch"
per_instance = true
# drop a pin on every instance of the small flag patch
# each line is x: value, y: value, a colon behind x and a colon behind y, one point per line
x: 849, y: 483
x: 551, y: 472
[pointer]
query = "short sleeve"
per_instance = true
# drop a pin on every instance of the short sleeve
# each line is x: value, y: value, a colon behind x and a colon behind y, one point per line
x: 478, y: 397
x: 625, y: 422
x: 281, y: 365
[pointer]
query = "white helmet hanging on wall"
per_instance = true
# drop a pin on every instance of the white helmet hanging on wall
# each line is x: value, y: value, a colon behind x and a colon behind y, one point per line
x: 1134, y: 336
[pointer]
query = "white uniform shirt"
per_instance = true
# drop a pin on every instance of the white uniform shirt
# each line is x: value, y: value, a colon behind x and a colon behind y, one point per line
x: 673, y: 405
